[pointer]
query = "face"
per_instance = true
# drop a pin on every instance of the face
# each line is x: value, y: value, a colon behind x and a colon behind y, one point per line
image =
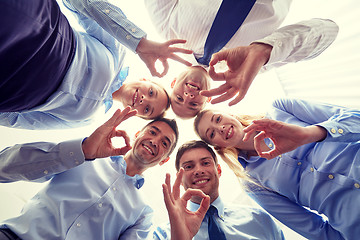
x: 221, y: 130
x: 149, y: 99
x: 201, y: 172
x: 153, y: 144
x: 186, y: 101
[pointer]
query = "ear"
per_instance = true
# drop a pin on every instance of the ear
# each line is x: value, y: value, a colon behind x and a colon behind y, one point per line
x: 209, y: 99
x: 173, y: 83
x: 164, y: 161
x: 219, y: 169
x: 137, y: 134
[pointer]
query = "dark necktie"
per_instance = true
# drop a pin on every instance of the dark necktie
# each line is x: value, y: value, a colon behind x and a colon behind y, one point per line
x: 229, y: 18
x: 215, y: 232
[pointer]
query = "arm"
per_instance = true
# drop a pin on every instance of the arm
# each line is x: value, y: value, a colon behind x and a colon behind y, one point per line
x: 37, y: 160
x: 184, y: 224
x: 301, y: 41
x: 114, y: 21
x: 305, y: 222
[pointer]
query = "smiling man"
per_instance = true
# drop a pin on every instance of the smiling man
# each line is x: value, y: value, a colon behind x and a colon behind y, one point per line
x: 149, y: 98
x: 202, y: 171
x: 185, y: 97
x: 98, y: 199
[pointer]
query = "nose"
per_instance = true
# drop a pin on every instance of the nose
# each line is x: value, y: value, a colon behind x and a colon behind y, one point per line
x: 189, y: 95
x: 142, y: 99
x: 198, y: 171
x: 222, y: 129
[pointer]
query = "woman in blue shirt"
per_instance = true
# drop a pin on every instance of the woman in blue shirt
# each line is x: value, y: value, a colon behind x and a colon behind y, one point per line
x: 311, y: 181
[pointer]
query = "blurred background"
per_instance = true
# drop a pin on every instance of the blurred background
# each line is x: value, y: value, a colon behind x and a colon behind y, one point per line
x: 332, y: 77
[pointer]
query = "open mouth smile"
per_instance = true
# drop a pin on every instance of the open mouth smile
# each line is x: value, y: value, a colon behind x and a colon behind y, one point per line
x: 230, y: 132
x: 148, y: 149
x: 135, y: 97
x: 192, y: 86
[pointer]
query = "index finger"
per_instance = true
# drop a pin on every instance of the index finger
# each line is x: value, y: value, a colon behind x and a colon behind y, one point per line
x: 125, y: 114
x: 177, y: 183
x: 214, y: 75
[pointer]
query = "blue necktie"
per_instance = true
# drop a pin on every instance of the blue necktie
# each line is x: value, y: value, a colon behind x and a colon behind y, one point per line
x: 215, y: 232
x: 229, y: 18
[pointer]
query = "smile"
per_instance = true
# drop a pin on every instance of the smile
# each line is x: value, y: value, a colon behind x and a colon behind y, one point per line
x: 192, y: 86
x: 230, y: 133
x: 147, y: 148
x: 200, y: 182
x: 135, y: 96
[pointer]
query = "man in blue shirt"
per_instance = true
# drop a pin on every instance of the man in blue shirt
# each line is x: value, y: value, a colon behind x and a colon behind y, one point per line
x: 99, y: 199
x: 201, y: 171
x: 53, y: 76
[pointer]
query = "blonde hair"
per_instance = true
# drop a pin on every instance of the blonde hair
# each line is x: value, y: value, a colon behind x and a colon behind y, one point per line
x: 230, y: 154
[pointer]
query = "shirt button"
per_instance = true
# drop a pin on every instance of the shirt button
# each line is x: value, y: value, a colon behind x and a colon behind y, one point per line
x: 299, y: 163
x: 107, y: 11
x: 133, y: 29
x: 46, y: 172
x: 114, y: 188
x: 333, y: 130
x: 78, y: 224
x: 100, y: 205
x: 311, y: 169
x: 77, y: 162
x: 331, y: 176
x: 340, y: 131
x: 280, y: 156
x: 71, y: 153
x: 357, y: 185
x: 270, y: 145
x: 279, y: 44
x: 128, y: 37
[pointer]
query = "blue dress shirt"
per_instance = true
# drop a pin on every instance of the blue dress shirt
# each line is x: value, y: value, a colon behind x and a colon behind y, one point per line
x: 238, y: 222
x: 94, y: 74
x: 95, y: 200
x: 316, y: 187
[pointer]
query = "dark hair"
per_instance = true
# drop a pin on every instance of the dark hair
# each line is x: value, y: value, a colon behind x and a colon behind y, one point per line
x: 172, y: 123
x: 192, y: 145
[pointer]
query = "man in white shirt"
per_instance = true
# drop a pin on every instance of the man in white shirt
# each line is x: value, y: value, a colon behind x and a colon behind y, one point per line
x: 257, y: 45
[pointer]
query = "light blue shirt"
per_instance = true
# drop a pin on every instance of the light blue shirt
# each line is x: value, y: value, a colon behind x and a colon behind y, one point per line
x: 95, y: 200
x: 238, y: 222
x: 94, y: 74
x: 321, y: 176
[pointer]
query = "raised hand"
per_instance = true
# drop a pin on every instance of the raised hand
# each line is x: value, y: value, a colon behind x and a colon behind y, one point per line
x: 286, y: 137
x: 150, y: 52
x: 243, y: 63
x: 99, y: 145
x: 184, y: 223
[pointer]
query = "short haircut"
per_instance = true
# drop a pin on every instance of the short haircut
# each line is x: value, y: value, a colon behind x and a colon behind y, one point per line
x: 193, y: 145
x: 172, y: 123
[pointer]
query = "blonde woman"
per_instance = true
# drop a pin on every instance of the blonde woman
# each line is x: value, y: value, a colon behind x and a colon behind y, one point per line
x: 306, y: 157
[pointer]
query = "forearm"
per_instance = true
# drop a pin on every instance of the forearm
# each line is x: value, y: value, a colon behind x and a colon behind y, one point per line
x: 37, y: 160
x: 112, y: 19
x: 301, y: 41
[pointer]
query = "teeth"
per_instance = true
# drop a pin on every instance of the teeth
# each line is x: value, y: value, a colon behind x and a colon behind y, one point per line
x: 149, y: 149
x: 201, y: 182
x: 135, y: 97
x: 229, y: 132
x: 192, y: 86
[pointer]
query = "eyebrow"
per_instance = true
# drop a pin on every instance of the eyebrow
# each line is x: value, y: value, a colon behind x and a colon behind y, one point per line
x: 158, y: 130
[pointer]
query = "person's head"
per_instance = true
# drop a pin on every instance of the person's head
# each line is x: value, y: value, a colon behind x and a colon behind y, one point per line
x: 149, y: 98
x: 154, y: 144
x: 186, y: 101
x: 202, y: 170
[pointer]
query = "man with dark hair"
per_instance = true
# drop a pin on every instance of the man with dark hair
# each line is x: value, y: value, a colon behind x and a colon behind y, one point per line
x: 99, y: 199
x: 198, y: 169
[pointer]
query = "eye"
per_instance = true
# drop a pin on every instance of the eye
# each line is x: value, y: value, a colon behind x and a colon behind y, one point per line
x: 152, y: 132
x: 218, y: 119
x: 194, y: 104
x: 151, y: 92
x: 187, y: 167
x: 206, y: 163
x: 164, y: 143
x: 212, y: 134
x: 146, y: 109
x: 179, y: 98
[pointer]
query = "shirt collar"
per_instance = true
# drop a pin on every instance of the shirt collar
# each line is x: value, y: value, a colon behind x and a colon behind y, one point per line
x: 218, y: 204
x: 137, y: 179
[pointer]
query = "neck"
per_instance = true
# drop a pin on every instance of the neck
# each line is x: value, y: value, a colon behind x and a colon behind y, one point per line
x: 117, y: 95
x: 131, y: 167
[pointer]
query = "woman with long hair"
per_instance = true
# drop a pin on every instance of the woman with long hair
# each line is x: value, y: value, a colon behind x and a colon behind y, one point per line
x: 304, y: 159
